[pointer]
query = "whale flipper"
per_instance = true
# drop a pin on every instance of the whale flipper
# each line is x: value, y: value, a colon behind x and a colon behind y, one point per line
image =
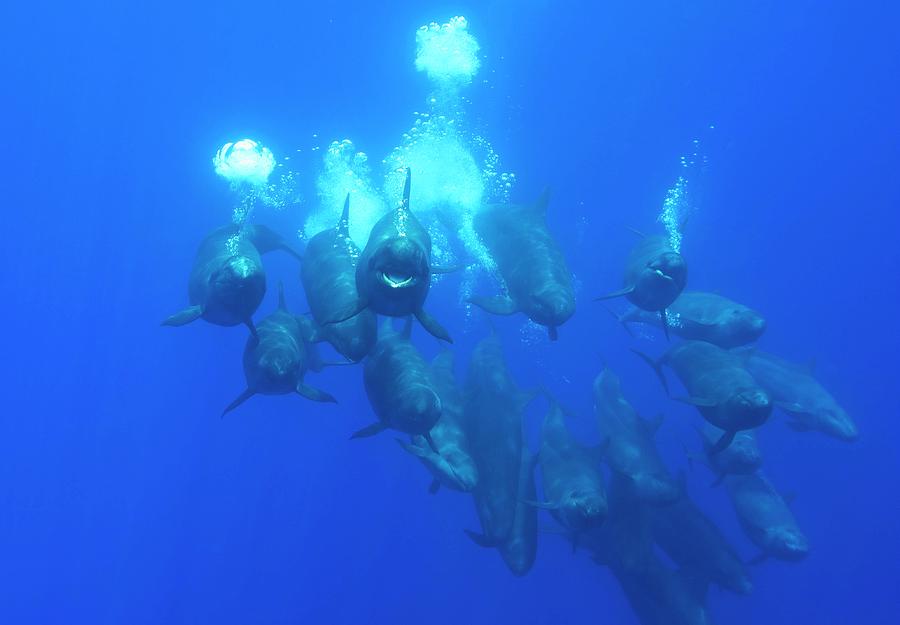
x: 619, y: 293
x: 431, y: 324
x: 496, y: 305
x: 722, y: 443
x: 481, y: 540
x: 191, y: 313
x: 266, y: 240
x: 307, y: 391
x: 347, y: 313
x: 370, y: 430
x: 247, y: 394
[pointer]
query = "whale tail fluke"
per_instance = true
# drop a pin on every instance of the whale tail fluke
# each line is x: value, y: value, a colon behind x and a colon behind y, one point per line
x: 656, y: 366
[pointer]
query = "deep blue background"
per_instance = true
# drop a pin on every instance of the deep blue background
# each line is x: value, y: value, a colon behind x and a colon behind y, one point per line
x: 125, y: 499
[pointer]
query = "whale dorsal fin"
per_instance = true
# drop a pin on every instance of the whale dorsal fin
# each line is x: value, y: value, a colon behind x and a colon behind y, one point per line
x: 343, y: 226
x: 542, y: 202
x: 404, y: 202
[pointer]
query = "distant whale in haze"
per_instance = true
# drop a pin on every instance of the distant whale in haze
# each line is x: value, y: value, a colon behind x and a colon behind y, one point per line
x: 228, y: 282
x: 328, y: 274
x: 531, y: 264
x: 451, y: 460
x: 629, y: 446
x: 494, y: 410
x: 741, y: 457
x: 800, y: 395
x: 574, y: 490
x: 694, y: 542
x: 766, y: 518
x: 655, y: 275
x: 705, y: 317
x: 276, y: 359
x: 718, y: 385
x: 393, y: 274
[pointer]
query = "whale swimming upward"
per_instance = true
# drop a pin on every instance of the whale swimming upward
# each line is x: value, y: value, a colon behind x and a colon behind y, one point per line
x: 531, y: 263
x: 394, y: 271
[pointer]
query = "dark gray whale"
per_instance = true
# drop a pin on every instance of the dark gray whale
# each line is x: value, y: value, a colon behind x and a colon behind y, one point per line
x: 655, y: 275
x: 450, y: 462
x: 276, y: 359
x: 530, y: 261
x: 228, y: 281
x: 328, y: 274
x: 393, y: 274
x: 718, y: 385
x: 399, y: 386
x: 705, y: 317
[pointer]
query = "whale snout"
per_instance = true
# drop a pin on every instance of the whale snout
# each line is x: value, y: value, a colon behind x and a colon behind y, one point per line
x: 671, y: 267
x: 552, y: 307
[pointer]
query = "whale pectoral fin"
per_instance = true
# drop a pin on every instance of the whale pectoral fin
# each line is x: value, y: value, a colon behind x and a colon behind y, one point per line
x: 336, y: 363
x: 349, y: 312
x: 618, y: 293
x: 191, y: 313
x: 415, y: 450
x: 798, y: 426
x: 247, y: 394
x: 434, y: 487
x: 553, y: 333
x: 431, y: 324
x: 496, y: 305
x: 370, y: 430
x: 543, y: 505
x: 266, y: 240
x: 481, y: 540
x: 700, y: 402
x: 307, y: 391
x: 448, y: 269
x: 250, y: 326
x: 430, y: 441
x: 664, y: 322
x: 722, y: 443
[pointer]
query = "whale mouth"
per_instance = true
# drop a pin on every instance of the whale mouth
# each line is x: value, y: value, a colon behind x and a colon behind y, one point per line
x: 396, y: 280
x: 662, y: 274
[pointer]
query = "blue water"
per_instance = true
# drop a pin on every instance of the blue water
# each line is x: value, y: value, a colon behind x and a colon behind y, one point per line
x: 125, y: 499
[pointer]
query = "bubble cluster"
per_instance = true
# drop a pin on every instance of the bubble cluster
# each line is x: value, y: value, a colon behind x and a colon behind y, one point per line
x: 447, y: 52
x: 345, y: 170
x: 244, y: 161
x: 674, y: 210
x: 680, y: 199
x: 446, y: 176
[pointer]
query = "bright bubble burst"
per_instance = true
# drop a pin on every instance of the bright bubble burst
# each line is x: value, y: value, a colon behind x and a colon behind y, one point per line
x: 679, y: 203
x: 244, y: 161
x: 344, y: 170
x: 447, y: 52
x: 674, y: 209
x: 445, y: 175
